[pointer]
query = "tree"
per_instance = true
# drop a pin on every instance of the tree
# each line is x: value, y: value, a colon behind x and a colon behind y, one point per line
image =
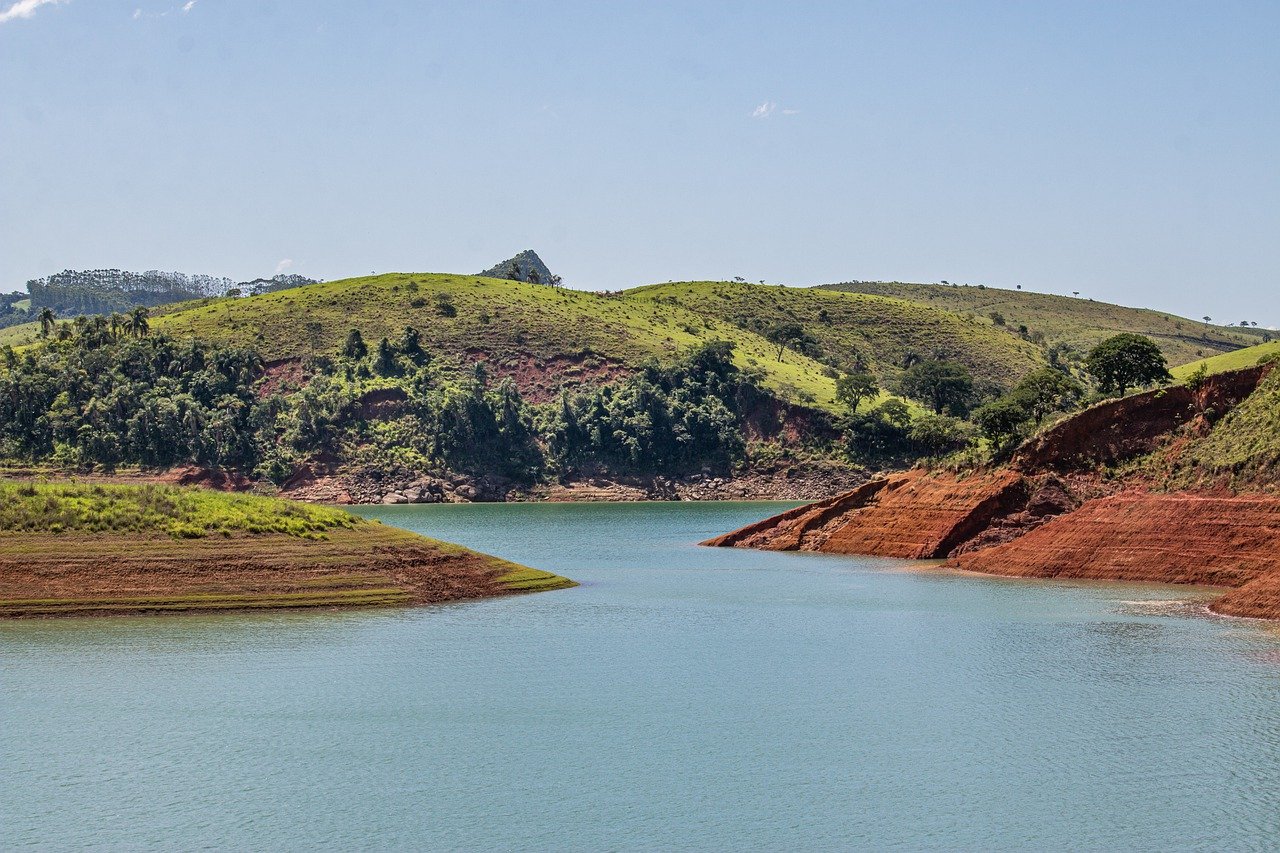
x: 943, y: 385
x: 137, y: 323
x: 385, y: 362
x: 1001, y: 421
x: 788, y: 334
x: 853, y: 388
x: 937, y: 434
x: 411, y: 342
x: 1045, y: 391
x: 47, y: 318
x: 354, y: 347
x: 1125, y: 361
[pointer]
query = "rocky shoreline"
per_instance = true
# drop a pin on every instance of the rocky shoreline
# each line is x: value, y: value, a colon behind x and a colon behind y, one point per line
x: 801, y: 484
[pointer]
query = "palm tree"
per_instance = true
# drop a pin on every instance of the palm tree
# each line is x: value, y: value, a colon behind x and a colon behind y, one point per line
x: 118, y: 322
x: 137, y: 323
x: 47, y: 318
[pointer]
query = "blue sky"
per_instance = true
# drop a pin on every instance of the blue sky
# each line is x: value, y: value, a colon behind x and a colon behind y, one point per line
x: 1124, y: 150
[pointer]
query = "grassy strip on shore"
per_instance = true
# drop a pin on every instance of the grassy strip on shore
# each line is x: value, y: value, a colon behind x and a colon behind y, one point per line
x: 110, y: 549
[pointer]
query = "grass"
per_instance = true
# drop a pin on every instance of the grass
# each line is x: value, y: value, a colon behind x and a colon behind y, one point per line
x: 1243, y: 447
x: 180, y: 513
x: 884, y: 330
x: 1236, y: 360
x: 1082, y: 323
x: 515, y: 326
x: 524, y: 579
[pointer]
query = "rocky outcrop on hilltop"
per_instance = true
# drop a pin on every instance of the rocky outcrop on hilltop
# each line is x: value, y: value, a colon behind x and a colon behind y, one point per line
x: 1063, y: 509
x: 526, y: 266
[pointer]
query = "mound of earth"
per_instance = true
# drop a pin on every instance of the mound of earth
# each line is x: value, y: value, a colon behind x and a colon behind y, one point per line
x: 1083, y: 500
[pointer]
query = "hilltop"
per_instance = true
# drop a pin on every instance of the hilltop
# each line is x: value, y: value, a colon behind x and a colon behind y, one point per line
x: 1235, y: 360
x: 526, y: 266
x: 79, y: 549
x: 851, y: 330
x: 540, y: 336
x: 1078, y: 323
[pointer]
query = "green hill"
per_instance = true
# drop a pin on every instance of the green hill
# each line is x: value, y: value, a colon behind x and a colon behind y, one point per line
x: 881, y: 332
x: 1080, y: 323
x: 539, y: 335
x: 1229, y: 360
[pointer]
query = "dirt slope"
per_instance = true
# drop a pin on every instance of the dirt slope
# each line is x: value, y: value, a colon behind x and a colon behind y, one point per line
x: 1056, y: 512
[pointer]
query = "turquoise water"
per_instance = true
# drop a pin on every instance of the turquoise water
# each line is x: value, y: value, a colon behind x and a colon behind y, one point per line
x: 682, y: 697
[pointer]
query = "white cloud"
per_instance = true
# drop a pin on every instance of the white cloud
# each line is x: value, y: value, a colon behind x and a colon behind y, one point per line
x: 186, y: 7
x: 137, y: 13
x: 764, y: 110
x: 24, y: 9
x: 790, y: 112
x: 284, y: 264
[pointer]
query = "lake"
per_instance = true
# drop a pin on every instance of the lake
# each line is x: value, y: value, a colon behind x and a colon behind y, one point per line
x: 682, y: 697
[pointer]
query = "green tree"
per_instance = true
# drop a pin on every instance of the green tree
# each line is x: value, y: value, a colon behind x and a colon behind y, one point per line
x: 355, y: 346
x: 1127, y: 361
x: 853, y: 388
x: 783, y: 334
x: 411, y: 342
x: 47, y: 320
x: 1045, y: 391
x: 138, y: 324
x: 1001, y: 421
x: 385, y: 361
x: 942, y: 385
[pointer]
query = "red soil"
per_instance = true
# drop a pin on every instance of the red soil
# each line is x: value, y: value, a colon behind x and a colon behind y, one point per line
x: 1139, y: 536
x: 912, y: 515
x: 1046, y: 515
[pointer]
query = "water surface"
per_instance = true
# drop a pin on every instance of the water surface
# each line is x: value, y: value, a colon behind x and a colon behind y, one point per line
x: 681, y: 697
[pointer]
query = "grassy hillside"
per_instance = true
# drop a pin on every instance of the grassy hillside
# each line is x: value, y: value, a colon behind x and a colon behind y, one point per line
x: 75, y: 549
x: 1081, y: 323
x: 23, y: 333
x: 1242, y: 448
x: 884, y: 331
x: 1247, y: 357
x: 540, y: 335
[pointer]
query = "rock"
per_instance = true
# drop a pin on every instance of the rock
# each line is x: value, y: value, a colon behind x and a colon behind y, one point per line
x: 394, y: 498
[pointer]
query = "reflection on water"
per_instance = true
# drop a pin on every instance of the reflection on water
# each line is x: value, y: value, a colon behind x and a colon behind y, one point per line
x: 682, y: 697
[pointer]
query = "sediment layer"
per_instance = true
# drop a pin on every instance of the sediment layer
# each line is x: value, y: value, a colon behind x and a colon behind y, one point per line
x: 371, y: 565
x: 1049, y: 513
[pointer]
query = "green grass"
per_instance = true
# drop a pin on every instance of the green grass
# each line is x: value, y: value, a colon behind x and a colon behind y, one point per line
x: 524, y: 579
x: 1243, y: 447
x: 883, y: 329
x: 1236, y: 360
x: 20, y: 335
x: 1082, y: 323
x: 180, y: 513
x: 513, y: 324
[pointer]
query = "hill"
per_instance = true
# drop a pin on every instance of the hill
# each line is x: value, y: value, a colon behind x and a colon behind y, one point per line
x: 1079, y: 323
x: 80, y: 549
x: 1236, y: 360
x: 540, y: 336
x: 883, y: 334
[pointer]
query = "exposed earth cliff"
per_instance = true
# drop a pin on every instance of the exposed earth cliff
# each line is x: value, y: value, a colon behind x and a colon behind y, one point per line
x: 1177, y: 485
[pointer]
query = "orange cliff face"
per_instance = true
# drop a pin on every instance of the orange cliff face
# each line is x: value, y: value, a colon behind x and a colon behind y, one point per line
x: 1047, y: 514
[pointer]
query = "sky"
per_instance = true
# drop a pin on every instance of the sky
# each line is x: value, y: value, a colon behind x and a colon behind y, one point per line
x: 1124, y: 150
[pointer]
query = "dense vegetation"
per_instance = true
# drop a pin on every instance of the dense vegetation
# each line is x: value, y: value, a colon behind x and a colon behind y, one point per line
x: 530, y: 383
x: 98, y: 396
